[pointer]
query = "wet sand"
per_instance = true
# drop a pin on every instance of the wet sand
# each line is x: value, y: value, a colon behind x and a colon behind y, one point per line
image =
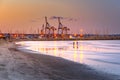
x: 17, y: 65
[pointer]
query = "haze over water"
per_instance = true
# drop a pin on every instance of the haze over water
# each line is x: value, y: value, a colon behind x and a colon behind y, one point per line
x: 102, y: 55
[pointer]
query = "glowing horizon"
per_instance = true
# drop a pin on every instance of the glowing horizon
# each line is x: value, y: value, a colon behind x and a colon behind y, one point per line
x: 91, y: 16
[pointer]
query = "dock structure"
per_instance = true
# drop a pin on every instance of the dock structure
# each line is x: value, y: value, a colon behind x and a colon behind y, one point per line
x: 62, y: 30
x: 42, y: 30
x: 60, y: 27
x: 52, y: 30
x: 49, y: 32
x: 1, y: 34
x: 66, y: 29
x: 47, y: 28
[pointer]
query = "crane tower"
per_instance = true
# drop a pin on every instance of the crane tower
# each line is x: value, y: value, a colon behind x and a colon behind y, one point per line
x: 47, y: 27
x: 60, y: 27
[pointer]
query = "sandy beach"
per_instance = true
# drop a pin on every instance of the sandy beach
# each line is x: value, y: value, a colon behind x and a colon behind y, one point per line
x: 17, y: 65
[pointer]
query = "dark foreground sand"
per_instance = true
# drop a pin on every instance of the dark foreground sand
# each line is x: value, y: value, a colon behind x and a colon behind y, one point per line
x: 16, y: 65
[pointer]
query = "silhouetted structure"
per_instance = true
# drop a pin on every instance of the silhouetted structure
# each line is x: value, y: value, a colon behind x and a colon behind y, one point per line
x: 60, y: 27
x: 47, y: 28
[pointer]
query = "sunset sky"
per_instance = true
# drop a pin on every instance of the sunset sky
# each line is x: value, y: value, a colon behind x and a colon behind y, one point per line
x: 93, y: 16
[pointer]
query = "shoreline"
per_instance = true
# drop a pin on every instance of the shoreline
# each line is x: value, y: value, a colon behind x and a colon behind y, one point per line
x: 18, y: 65
x: 17, y: 40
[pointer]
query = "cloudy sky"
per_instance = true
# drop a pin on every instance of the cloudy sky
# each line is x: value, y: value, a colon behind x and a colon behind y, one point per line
x: 93, y: 16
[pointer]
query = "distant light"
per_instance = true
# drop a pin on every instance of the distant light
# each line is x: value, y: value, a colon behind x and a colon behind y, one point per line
x: 81, y: 35
x: 70, y: 37
x: 75, y: 34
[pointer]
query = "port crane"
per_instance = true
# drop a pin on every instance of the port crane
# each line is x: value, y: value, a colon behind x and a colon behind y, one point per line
x: 47, y: 27
x: 49, y: 30
x: 66, y: 29
x: 60, y: 27
x: 42, y: 30
x: 62, y: 30
x: 52, y: 30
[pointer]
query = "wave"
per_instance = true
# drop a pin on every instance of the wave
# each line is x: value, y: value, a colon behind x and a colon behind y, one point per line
x: 110, y: 62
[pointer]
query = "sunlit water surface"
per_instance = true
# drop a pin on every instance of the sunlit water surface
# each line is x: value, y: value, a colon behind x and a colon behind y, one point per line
x: 100, y: 55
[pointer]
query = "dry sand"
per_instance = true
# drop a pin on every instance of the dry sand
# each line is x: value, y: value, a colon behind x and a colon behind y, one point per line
x: 16, y: 65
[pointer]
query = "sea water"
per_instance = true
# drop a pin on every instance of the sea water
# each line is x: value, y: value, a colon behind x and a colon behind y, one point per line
x: 102, y: 55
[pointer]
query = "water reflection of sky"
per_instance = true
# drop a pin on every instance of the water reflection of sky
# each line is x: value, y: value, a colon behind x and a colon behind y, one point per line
x: 102, y: 55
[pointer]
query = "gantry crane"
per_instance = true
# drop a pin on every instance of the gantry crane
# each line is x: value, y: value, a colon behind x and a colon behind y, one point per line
x: 60, y: 27
x: 42, y: 30
x: 49, y: 30
x: 47, y: 27
x: 52, y: 30
x: 66, y: 29
x: 62, y: 30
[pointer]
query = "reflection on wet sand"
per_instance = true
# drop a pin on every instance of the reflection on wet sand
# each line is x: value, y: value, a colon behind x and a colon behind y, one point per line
x: 75, y: 54
x: 81, y: 53
x: 62, y: 51
x: 55, y: 50
x: 78, y: 53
